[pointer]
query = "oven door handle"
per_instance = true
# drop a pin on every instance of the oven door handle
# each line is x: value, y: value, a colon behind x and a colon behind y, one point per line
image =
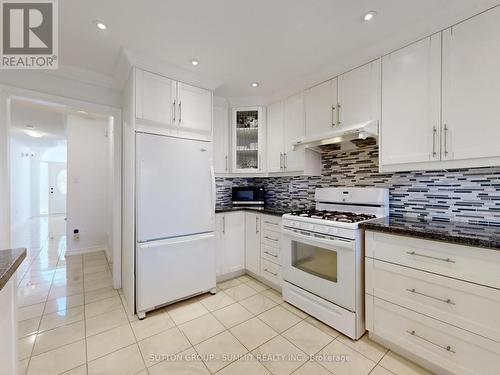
x: 337, y: 243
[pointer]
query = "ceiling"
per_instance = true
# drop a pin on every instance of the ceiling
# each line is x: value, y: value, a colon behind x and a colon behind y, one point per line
x: 278, y: 43
x: 46, y: 119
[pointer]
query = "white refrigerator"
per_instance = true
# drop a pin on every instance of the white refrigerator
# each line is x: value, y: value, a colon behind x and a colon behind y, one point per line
x: 175, y: 215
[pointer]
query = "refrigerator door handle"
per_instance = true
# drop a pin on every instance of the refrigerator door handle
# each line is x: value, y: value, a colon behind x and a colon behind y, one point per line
x: 175, y: 240
x: 214, y: 190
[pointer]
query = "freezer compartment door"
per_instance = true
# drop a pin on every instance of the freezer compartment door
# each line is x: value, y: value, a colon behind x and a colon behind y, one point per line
x: 173, y: 269
x: 175, y: 187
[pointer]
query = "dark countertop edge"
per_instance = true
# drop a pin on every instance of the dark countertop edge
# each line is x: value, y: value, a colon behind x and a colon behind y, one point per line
x: 266, y: 210
x: 17, y: 256
x: 433, y: 235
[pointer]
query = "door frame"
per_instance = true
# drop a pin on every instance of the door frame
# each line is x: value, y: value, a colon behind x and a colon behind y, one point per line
x: 7, y: 93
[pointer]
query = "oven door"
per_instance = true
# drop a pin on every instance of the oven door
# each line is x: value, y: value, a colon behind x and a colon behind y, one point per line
x: 322, y: 265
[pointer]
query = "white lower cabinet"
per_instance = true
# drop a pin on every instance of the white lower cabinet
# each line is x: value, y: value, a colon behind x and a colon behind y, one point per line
x: 271, y: 272
x: 423, y: 302
x: 252, y: 242
x: 229, y: 244
x: 249, y: 241
x: 270, y: 265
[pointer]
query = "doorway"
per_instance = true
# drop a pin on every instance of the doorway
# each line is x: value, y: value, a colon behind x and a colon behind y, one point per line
x: 46, y: 179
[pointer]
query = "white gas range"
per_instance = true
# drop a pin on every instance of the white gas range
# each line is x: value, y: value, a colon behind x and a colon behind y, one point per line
x: 323, y: 255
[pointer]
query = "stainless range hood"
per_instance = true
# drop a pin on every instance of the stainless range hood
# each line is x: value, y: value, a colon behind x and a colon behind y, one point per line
x: 343, y: 134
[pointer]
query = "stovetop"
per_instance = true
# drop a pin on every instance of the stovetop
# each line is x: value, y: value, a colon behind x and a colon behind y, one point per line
x: 338, y: 216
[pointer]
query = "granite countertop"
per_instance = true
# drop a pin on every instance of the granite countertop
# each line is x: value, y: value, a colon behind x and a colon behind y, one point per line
x: 455, y: 232
x: 269, y: 210
x: 10, y: 260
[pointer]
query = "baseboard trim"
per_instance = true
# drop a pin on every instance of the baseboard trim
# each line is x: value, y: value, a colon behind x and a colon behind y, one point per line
x: 85, y: 250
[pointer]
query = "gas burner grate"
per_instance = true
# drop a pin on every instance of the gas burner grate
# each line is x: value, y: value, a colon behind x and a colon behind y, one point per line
x: 340, y: 216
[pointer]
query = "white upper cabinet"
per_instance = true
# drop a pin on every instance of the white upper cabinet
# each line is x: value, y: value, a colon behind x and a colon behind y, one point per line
x: 195, y: 109
x: 155, y: 98
x: 440, y: 99
x: 321, y: 108
x: 248, y: 128
x: 411, y: 89
x: 285, y: 126
x: 172, y: 108
x: 471, y: 89
x: 275, y: 128
x: 294, y: 129
x: 359, y: 94
x: 221, y: 139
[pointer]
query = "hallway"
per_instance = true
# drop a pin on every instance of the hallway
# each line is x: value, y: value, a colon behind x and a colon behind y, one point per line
x: 61, y: 300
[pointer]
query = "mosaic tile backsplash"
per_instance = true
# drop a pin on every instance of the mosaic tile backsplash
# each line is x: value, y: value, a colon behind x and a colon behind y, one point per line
x: 471, y: 195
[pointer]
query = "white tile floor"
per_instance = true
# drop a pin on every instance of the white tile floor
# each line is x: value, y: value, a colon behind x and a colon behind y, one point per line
x: 71, y: 321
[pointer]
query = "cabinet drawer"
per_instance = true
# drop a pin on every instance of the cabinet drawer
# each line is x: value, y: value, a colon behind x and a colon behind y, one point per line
x: 271, y: 254
x: 270, y: 272
x: 270, y: 238
x: 455, y: 350
x: 469, y: 306
x: 477, y: 265
x: 272, y: 223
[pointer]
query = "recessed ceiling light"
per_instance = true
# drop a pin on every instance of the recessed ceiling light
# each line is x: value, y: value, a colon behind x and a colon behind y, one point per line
x: 255, y: 84
x: 82, y: 112
x: 368, y: 16
x: 100, y: 25
x: 30, y: 127
x: 194, y: 62
x: 34, y: 133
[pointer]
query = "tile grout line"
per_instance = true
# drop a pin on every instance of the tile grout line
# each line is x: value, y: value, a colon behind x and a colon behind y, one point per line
x: 45, y: 303
x: 84, y: 316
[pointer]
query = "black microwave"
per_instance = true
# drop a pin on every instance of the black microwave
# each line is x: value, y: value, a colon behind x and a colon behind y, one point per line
x: 248, y: 195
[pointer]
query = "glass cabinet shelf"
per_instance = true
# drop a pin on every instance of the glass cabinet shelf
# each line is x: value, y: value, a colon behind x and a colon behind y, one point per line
x: 247, y: 139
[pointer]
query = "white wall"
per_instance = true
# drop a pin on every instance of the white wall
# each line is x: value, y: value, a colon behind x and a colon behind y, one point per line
x: 87, y: 207
x: 20, y: 167
x: 110, y: 187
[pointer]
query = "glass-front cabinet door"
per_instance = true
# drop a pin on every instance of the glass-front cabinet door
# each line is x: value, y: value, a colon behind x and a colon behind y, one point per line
x: 247, y: 129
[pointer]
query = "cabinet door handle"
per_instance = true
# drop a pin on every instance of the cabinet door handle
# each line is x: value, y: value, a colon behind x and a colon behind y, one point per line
x: 272, y: 273
x: 447, y: 348
x: 226, y: 164
x: 338, y: 114
x: 333, y: 116
x: 285, y: 155
x: 269, y: 238
x: 430, y: 257
x: 268, y: 253
x: 434, y: 132
x: 270, y: 222
x: 180, y: 112
x: 256, y: 224
x: 281, y: 160
x: 445, y: 139
x: 448, y: 301
x: 223, y: 224
x: 173, y: 111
